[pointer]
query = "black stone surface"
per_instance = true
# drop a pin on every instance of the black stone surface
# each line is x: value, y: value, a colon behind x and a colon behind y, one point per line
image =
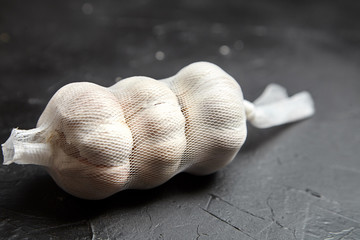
x: 299, y: 181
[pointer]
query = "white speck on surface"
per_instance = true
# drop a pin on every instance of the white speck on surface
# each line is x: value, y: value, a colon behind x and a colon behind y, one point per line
x: 159, y: 55
x: 239, y: 45
x: 224, y: 50
x: 87, y: 8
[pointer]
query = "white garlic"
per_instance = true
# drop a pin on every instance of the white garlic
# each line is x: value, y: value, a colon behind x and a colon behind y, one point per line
x: 96, y: 141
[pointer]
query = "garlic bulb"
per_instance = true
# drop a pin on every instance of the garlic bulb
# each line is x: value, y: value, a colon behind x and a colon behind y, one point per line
x: 96, y: 141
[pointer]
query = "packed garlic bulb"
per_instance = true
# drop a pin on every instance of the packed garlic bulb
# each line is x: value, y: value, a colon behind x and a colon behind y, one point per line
x: 96, y: 141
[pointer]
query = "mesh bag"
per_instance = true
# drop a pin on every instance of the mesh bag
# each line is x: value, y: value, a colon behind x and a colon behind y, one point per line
x: 96, y: 141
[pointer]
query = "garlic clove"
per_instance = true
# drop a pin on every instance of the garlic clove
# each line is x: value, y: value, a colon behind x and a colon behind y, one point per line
x: 82, y: 139
x: 154, y: 116
x: 212, y: 104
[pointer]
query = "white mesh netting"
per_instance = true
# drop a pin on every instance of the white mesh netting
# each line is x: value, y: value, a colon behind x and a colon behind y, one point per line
x: 138, y: 133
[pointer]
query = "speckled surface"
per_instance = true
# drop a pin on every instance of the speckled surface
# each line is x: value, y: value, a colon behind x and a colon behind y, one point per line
x: 299, y: 181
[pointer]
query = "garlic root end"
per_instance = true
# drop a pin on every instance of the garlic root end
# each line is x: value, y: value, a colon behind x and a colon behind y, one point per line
x: 8, y: 150
x: 26, y: 147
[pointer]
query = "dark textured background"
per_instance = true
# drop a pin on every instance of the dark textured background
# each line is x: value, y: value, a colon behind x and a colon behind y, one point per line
x: 299, y: 181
